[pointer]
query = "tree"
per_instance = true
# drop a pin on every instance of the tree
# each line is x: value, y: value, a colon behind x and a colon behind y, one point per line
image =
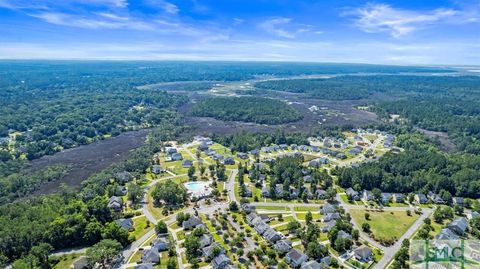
x: 366, y: 227
x: 135, y: 193
x: 192, y: 246
x: 161, y: 227
x: 41, y: 253
x: 115, y: 232
x: 315, y: 250
x: 103, y: 252
x: 233, y: 206
x: 308, y: 218
x: 172, y: 263
x: 367, y: 216
x: 191, y: 172
x: 169, y: 192
x: 377, y: 194
x: 293, y: 226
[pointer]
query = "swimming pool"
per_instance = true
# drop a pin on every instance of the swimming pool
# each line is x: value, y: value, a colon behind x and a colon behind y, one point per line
x: 195, y: 186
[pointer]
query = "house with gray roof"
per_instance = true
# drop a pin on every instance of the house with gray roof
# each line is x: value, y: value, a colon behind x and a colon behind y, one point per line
x: 205, y: 240
x: 344, y: 235
x: 328, y: 226
x: 295, y: 258
x: 457, y: 201
x: 272, y: 236
x: 209, y: 251
x: 115, y: 203
x: 261, y: 227
x: 328, y: 208
x: 156, y: 169
x: 420, y: 198
x: 311, y: 265
x: 398, y: 197
x: 126, y: 224
x: 283, y: 246
x: 352, y: 194
x: 362, y: 253
x: 160, y: 243
x: 459, y: 226
x: 447, y: 234
x: 151, y: 256
x: 80, y: 263
x: 191, y: 223
x: 331, y: 216
x: 367, y: 196
x: 187, y: 164
x: 221, y: 261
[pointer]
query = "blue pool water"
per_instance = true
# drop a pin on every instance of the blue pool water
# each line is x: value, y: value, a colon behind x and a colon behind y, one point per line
x: 194, y: 186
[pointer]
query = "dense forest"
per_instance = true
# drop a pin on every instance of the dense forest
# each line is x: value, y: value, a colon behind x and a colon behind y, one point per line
x: 247, y: 109
x: 431, y: 170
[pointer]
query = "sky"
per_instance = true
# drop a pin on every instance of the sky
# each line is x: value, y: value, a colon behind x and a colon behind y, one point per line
x: 426, y: 32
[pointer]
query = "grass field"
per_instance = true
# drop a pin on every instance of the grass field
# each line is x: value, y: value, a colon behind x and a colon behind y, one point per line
x: 66, y: 261
x: 385, y: 225
x: 141, y: 227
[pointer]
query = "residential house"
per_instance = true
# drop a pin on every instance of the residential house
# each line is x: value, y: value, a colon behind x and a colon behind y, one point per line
x: 295, y: 258
x: 314, y: 163
x: 218, y: 157
x: 386, y: 197
x: 279, y: 190
x: 247, y: 208
x: 246, y: 191
x: 187, y: 164
x: 160, y: 243
x: 272, y: 236
x: 307, y: 179
x: 151, y: 256
x: 229, y: 161
x: 126, y: 224
x: 352, y: 194
x: 221, y: 261
x: 203, y: 146
x: 328, y: 226
x: 156, y: 169
x: 457, y: 201
x: 143, y: 266
x: 367, y: 196
x: 294, y: 192
x: 210, y: 250
x: 331, y: 216
x: 170, y: 150
x: 344, y: 235
x: 420, y: 198
x: 459, y: 226
x: 265, y: 191
x: 326, y: 261
x: 311, y: 265
x: 328, y: 208
x: 255, y: 152
x: 473, y: 215
x: 242, y: 155
x: 261, y: 227
x: 283, y: 246
x: 398, y: 197
x: 115, y: 203
x: 320, y: 193
x: 191, y: 223
x: 176, y: 156
x: 205, y: 240
x: 362, y: 253
x: 250, y: 218
x: 447, y: 234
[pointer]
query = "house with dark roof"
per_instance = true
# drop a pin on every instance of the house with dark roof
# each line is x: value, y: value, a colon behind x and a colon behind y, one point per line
x: 220, y: 262
x: 328, y: 226
x: 459, y: 226
x: 246, y: 191
x: 229, y: 161
x: 457, y: 201
x: 283, y: 246
x: 420, y: 198
x: 191, y: 223
x: 170, y: 150
x: 328, y: 208
x: 205, y: 240
x: 247, y: 208
x: 398, y: 197
x: 242, y: 155
x: 447, y: 234
x: 156, y: 169
x: 385, y: 197
x: 251, y: 217
x: 187, y: 164
x: 352, y: 194
x: 210, y: 250
x: 126, y: 224
x: 367, y: 196
x: 295, y: 258
x: 143, y: 266
x: 218, y: 157
x: 331, y: 216
x: 115, y: 203
x: 344, y: 235
x: 272, y: 236
x: 362, y: 253
x: 160, y: 243
x: 265, y: 191
x: 261, y: 227
x: 176, y: 156
x: 314, y: 164
x: 151, y: 256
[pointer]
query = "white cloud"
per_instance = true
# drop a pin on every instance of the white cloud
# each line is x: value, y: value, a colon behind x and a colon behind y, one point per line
x: 375, y: 18
x: 275, y: 27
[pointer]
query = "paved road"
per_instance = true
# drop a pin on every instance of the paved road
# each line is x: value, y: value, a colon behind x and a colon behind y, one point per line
x: 230, y: 186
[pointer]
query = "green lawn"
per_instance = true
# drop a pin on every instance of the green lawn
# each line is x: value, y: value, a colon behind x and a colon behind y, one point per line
x: 385, y: 225
x: 66, y: 261
x: 266, y: 207
x: 306, y: 208
x: 141, y: 227
x: 315, y: 216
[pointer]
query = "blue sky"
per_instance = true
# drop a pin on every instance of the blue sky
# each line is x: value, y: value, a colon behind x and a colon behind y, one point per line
x: 391, y: 32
